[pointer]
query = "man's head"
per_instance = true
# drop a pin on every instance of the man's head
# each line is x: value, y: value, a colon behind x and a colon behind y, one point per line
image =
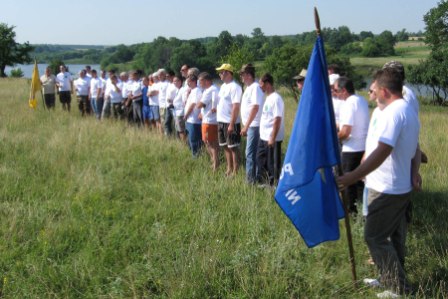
x: 177, y: 81
x: 225, y: 72
x: 300, y: 79
x: 62, y: 68
x: 94, y: 74
x: 247, y: 74
x: 88, y: 69
x: 388, y: 86
x: 397, y: 67
x: 192, y: 81
x: 48, y: 71
x: 344, y: 88
x: 145, y: 81
x: 162, y: 74
x: 332, y: 80
x: 267, y: 83
x: 82, y: 73
x: 205, y: 80
x: 333, y: 69
x: 184, y: 70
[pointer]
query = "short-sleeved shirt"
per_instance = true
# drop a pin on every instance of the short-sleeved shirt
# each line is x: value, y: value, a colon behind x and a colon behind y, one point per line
x: 396, y: 125
x: 95, y: 85
x: 48, y: 84
x: 253, y: 95
x: 163, y: 87
x: 193, y: 99
x: 210, y: 98
x: 229, y: 94
x: 355, y: 113
x: 64, y: 79
x: 153, y: 100
x: 273, y: 107
x: 81, y: 86
x: 178, y: 102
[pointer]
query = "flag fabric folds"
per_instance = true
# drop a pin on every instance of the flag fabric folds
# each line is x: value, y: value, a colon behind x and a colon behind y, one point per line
x: 307, y: 192
x: 35, y: 86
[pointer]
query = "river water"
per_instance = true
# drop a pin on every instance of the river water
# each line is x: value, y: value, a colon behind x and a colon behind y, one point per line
x: 27, y: 69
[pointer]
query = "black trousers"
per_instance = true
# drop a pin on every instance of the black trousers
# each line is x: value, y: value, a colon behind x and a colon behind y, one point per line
x: 269, y: 161
x: 351, y: 160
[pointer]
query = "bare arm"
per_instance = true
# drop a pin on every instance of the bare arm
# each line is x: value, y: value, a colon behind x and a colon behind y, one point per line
x: 345, y: 132
x: 372, y: 162
x: 253, y: 113
x: 275, y: 129
x: 234, y: 116
x: 415, y: 167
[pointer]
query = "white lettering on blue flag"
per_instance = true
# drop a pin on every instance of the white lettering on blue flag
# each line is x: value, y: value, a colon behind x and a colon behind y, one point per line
x: 286, y: 168
x: 293, y: 196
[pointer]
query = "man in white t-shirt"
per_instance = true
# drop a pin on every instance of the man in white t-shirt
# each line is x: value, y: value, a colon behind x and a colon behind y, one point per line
x: 64, y: 83
x: 191, y: 116
x: 96, y: 89
x: 353, y: 126
x: 272, y: 132
x: 82, y: 86
x: 228, y: 116
x: 391, y: 167
x: 337, y: 103
x: 251, y: 106
x: 163, y: 87
x: 209, y: 102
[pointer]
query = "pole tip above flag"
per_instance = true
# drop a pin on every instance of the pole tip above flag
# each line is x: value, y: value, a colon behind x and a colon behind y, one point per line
x: 317, y: 21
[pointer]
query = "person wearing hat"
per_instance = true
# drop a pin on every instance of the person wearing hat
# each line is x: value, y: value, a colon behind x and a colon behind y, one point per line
x: 251, y: 104
x: 228, y: 116
x: 337, y: 103
x: 300, y: 79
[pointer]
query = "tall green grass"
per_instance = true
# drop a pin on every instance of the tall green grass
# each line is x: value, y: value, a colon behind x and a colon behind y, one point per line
x: 100, y: 210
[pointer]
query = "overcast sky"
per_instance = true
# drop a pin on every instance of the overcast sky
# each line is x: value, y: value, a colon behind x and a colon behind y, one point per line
x: 112, y: 22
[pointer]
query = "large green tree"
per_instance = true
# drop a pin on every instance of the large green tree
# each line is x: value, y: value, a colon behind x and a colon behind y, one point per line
x: 11, y: 52
x: 433, y: 71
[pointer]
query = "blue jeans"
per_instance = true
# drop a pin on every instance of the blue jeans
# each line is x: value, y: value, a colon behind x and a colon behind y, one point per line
x: 169, y: 117
x: 253, y: 136
x: 194, y: 137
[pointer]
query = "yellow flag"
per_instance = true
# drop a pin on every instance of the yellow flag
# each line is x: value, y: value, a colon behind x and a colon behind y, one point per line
x: 35, y: 86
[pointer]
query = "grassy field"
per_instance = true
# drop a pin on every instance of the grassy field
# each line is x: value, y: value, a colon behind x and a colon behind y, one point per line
x: 100, y: 210
x: 408, y: 53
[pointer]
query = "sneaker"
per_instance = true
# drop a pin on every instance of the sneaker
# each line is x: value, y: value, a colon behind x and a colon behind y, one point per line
x: 371, y: 282
x: 387, y: 294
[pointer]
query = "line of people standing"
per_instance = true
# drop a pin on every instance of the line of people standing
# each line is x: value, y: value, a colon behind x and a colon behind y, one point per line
x: 190, y: 106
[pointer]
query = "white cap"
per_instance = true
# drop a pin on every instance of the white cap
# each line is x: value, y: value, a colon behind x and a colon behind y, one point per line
x: 332, y: 78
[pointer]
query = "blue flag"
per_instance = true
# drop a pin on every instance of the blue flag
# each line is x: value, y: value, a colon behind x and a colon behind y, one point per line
x: 307, y: 192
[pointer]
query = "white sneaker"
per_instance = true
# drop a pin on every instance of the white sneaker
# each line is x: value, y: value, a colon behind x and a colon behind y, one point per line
x: 387, y: 294
x: 371, y: 282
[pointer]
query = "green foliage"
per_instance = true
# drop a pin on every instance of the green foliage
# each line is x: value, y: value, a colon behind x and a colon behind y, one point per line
x: 11, y: 52
x: 17, y: 73
x: 402, y: 36
x: 433, y: 71
x: 237, y: 57
x: 54, y: 65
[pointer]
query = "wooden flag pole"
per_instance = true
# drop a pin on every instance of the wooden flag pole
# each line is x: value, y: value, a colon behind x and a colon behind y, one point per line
x: 344, y: 199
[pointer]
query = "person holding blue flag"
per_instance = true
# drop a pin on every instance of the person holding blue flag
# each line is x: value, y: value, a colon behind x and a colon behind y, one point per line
x: 392, y: 159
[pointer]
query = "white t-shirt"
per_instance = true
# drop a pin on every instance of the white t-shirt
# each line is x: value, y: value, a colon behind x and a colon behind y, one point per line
x: 273, y: 107
x: 103, y: 86
x: 135, y: 88
x: 163, y: 86
x: 179, y: 102
x: 337, y: 105
x: 115, y: 96
x: 410, y: 97
x: 171, y: 93
x: 253, y: 95
x: 125, y: 90
x: 64, y: 79
x: 229, y: 94
x: 210, y: 98
x: 81, y: 86
x: 355, y: 113
x: 396, y: 125
x: 193, y: 99
x: 95, y: 85
x: 153, y: 100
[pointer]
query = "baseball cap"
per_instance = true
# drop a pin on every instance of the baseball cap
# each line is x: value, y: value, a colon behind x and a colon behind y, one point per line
x: 225, y: 67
